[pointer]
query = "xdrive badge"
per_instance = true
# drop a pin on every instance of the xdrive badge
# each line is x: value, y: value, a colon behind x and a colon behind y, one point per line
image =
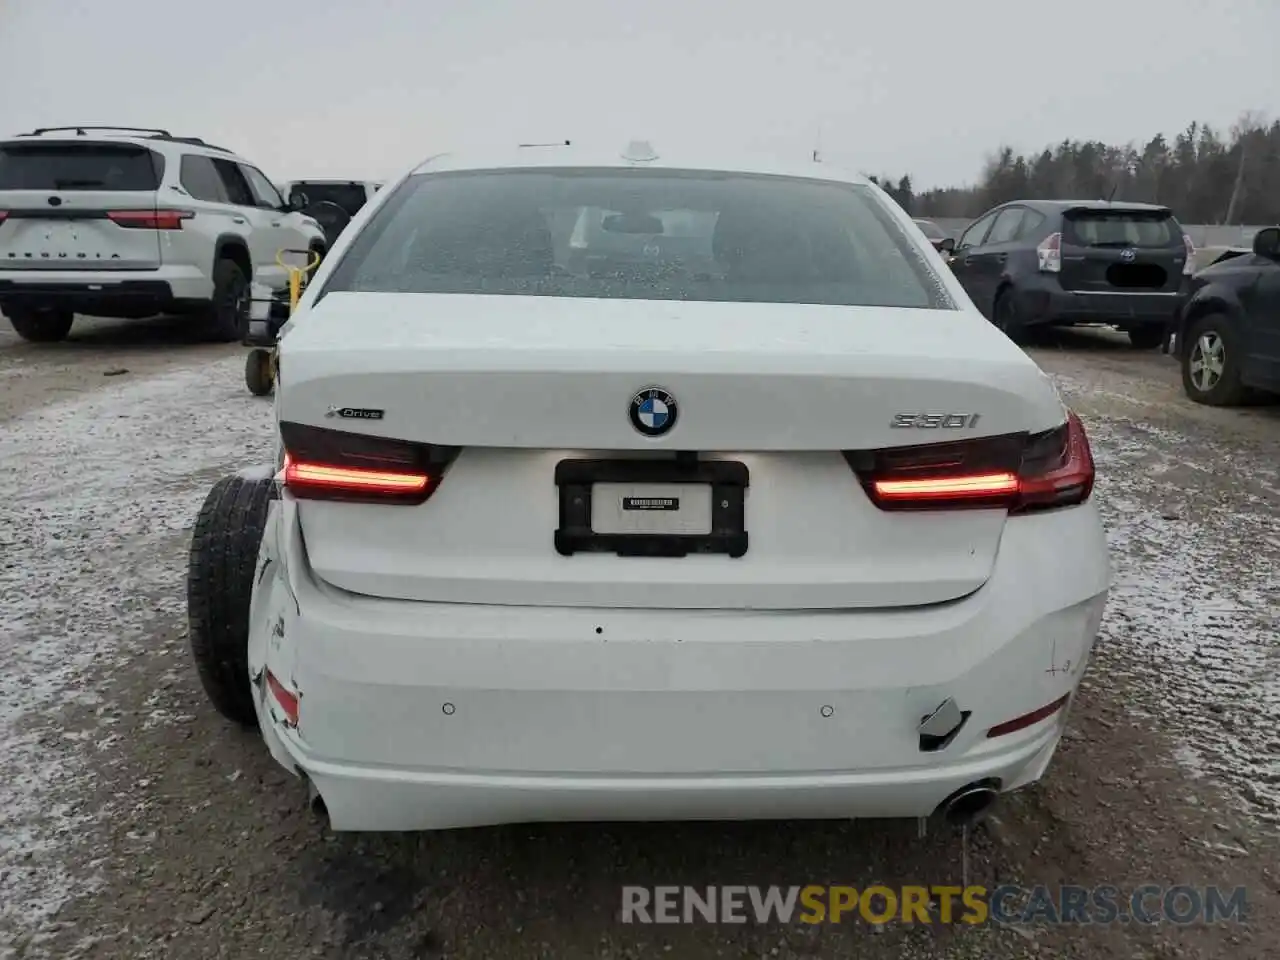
x: 354, y: 413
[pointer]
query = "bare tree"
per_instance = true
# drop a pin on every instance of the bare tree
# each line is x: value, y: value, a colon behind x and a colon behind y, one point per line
x: 1242, y: 133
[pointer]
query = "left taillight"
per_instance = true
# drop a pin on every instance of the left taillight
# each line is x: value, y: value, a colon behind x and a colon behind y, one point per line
x: 150, y: 219
x: 323, y: 464
x: 1189, y: 267
x: 4, y: 215
x: 1049, y: 254
x: 1017, y: 472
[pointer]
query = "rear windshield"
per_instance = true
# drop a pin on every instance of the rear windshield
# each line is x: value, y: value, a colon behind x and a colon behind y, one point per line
x: 74, y: 166
x: 350, y: 197
x: 641, y: 234
x: 1122, y: 228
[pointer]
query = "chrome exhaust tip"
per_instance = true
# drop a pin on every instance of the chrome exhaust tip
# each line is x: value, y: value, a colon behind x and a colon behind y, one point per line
x: 969, y: 804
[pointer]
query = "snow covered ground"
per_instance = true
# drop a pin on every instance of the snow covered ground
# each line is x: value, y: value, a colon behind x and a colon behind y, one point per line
x: 99, y: 493
x: 95, y: 500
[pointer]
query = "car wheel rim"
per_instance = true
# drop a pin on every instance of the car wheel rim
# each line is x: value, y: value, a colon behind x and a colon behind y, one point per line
x: 1207, y: 362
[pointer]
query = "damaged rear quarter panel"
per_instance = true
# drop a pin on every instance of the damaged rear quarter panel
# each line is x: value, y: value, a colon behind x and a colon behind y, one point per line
x: 274, y: 607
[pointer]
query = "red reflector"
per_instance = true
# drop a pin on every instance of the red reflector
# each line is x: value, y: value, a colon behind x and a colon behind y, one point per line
x: 301, y: 477
x: 1027, y: 719
x: 942, y: 488
x: 287, y: 701
x: 150, y: 219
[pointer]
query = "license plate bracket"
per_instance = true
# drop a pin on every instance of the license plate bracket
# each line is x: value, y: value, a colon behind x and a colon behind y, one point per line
x: 727, y: 479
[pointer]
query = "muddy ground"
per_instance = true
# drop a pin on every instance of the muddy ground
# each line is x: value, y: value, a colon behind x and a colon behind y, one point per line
x: 134, y: 823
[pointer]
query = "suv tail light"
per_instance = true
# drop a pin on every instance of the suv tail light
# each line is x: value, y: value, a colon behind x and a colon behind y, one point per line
x: 1189, y: 267
x: 4, y: 215
x: 1015, y: 472
x: 149, y: 219
x: 1049, y: 253
x: 323, y: 464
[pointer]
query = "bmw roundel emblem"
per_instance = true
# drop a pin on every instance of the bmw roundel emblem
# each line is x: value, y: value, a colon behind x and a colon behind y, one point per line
x: 1129, y: 255
x: 653, y: 411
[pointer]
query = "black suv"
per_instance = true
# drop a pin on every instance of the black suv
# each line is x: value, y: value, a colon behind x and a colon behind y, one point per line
x: 1040, y: 263
x: 1229, y: 331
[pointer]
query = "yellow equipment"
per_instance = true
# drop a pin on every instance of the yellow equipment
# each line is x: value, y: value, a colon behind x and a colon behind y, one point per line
x: 260, y: 365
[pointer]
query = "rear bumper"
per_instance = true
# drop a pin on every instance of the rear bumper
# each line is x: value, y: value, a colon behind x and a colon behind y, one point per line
x: 107, y: 294
x: 1045, y: 302
x: 427, y: 716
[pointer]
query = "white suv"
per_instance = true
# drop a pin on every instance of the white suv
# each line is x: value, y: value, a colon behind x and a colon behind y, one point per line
x: 122, y: 222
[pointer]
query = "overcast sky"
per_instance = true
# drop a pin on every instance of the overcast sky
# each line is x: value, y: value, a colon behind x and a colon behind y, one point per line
x: 367, y: 88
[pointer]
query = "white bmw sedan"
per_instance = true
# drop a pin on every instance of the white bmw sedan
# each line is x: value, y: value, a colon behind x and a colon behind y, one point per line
x: 618, y: 486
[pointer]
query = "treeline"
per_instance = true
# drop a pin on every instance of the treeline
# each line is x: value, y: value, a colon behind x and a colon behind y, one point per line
x: 1203, y: 175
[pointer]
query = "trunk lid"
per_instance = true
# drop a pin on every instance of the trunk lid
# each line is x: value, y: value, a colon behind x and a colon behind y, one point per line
x: 523, y: 383
x: 55, y: 201
x: 1122, y: 250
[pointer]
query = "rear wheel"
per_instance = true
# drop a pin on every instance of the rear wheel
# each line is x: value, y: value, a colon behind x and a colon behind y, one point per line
x: 221, y: 565
x: 257, y: 372
x: 1211, y: 363
x: 1007, y: 317
x: 40, y: 326
x: 229, y: 311
x: 1146, y: 337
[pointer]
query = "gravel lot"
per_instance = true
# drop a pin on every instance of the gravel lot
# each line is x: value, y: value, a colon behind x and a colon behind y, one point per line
x: 136, y: 824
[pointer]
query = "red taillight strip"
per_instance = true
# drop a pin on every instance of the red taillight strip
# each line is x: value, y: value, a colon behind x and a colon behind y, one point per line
x: 1028, y: 719
x: 942, y: 488
x: 150, y: 219
x: 318, y: 475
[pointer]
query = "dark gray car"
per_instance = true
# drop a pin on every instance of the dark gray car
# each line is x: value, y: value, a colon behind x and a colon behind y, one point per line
x: 1041, y: 263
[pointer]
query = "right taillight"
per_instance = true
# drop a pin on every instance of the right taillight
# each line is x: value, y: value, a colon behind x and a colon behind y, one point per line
x: 1057, y: 469
x: 323, y: 464
x: 150, y: 219
x: 1049, y: 254
x: 1017, y: 473
x: 1188, y: 268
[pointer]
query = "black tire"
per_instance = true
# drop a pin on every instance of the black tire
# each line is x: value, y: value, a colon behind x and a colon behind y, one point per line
x: 220, y: 571
x: 257, y: 373
x: 1206, y: 335
x: 1006, y: 317
x: 1146, y: 337
x: 229, y: 310
x: 40, y: 326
